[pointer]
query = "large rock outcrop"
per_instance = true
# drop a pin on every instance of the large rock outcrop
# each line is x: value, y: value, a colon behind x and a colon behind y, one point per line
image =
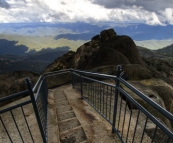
x: 15, y: 82
x: 105, y: 49
x: 164, y: 90
x: 124, y: 45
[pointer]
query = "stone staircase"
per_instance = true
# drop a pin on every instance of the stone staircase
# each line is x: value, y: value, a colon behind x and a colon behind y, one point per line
x: 70, y: 129
x: 72, y: 120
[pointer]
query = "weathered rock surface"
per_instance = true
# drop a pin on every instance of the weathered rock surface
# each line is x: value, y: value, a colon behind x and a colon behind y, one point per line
x: 126, y: 46
x: 150, y: 93
x: 105, y: 49
x: 136, y: 72
x: 164, y: 90
x: 106, y: 34
x: 15, y: 82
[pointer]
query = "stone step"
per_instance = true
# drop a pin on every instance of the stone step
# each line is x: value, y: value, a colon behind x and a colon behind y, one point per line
x: 74, y: 135
x: 62, y: 97
x: 70, y: 129
x: 62, y: 103
x: 68, y: 124
x: 85, y: 141
x: 66, y: 115
x: 58, y: 92
x: 63, y: 109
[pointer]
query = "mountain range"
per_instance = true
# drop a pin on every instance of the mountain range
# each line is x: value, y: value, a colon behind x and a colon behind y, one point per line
x: 138, y: 32
x: 33, y: 46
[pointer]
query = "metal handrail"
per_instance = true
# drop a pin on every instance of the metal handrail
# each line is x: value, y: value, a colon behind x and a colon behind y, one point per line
x: 159, y: 124
x: 13, y: 96
x: 147, y: 99
x: 140, y: 94
x: 88, y: 76
x: 97, y: 90
x: 43, y: 76
x: 93, y: 74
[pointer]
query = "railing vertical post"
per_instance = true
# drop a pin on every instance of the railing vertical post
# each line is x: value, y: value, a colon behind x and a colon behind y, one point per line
x: 28, y: 82
x: 116, y: 98
x: 45, y: 98
x: 81, y: 82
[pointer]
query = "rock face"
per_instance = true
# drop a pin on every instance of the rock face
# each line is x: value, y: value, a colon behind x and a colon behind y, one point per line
x: 152, y: 94
x: 66, y: 61
x: 126, y: 46
x: 105, y: 49
x: 107, y: 34
x: 164, y: 90
x: 15, y: 82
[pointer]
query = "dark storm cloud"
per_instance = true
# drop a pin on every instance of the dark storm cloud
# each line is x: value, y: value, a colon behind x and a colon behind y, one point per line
x: 4, y: 4
x: 149, y: 5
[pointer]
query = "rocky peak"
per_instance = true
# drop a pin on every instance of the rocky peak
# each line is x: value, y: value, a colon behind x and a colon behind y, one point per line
x: 107, y: 34
x: 106, y: 48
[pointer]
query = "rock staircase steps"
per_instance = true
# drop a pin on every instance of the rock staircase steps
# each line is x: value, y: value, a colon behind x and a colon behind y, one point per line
x: 70, y: 129
x: 68, y: 124
x: 75, y: 135
x: 66, y: 115
x: 63, y: 109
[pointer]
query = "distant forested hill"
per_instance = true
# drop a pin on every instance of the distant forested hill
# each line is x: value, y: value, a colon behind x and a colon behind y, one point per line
x: 17, y: 58
x: 10, y: 47
x: 167, y: 50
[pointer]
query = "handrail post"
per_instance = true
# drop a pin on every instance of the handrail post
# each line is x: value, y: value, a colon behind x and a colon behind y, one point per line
x: 28, y: 83
x: 46, y: 103
x: 116, y: 97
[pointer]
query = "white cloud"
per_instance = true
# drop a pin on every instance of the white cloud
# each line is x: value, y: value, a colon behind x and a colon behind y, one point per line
x: 153, y: 20
x: 81, y: 10
x: 168, y: 15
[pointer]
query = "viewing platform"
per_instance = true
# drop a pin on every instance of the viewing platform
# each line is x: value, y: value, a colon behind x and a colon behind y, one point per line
x: 93, y: 109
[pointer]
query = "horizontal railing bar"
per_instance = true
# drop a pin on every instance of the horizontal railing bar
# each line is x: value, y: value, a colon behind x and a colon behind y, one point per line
x: 46, y: 74
x: 56, y: 74
x: 148, y: 114
x: 94, y: 74
x: 105, y: 83
x: 148, y: 100
x: 15, y: 106
x: 38, y: 81
x: 38, y: 90
x: 49, y: 73
x: 22, y: 93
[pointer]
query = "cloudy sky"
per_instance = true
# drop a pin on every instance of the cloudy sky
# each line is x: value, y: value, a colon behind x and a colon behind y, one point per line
x: 153, y: 12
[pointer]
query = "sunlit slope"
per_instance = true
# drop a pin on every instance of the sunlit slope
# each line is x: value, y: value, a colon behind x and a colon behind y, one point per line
x: 39, y: 42
x: 154, y: 44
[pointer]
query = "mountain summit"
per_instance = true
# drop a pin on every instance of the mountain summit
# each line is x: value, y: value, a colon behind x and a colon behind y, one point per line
x: 104, y: 49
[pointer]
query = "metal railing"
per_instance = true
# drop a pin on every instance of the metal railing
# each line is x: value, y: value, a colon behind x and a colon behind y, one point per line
x: 15, y: 122
x: 130, y: 120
